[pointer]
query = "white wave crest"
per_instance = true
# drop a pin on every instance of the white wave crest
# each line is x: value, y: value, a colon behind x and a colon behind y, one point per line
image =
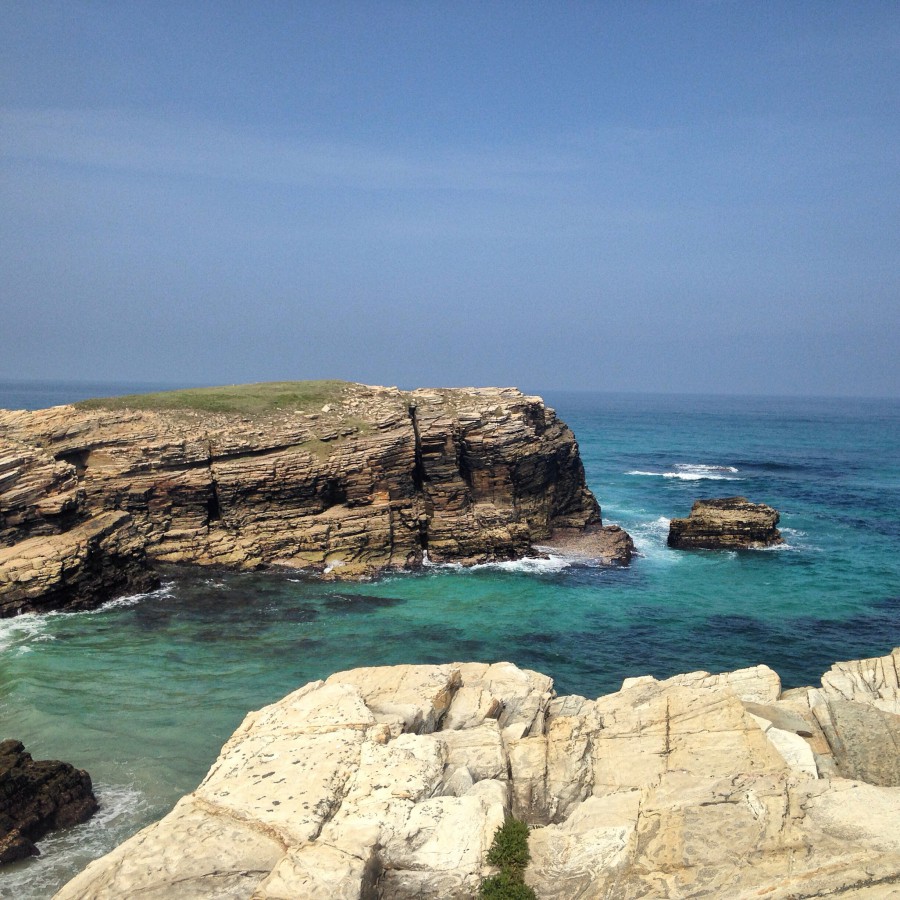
x: 533, y: 564
x: 651, y: 540
x: 23, y: 630
x: 553, y: 562
x: 30, y: 628
x: 693, y: 472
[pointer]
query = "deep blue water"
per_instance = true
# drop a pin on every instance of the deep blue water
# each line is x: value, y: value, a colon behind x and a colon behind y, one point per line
x: 144, y: 692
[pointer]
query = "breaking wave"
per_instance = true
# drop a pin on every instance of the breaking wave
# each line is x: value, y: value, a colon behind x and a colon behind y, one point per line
x: 694, y: 472
x: 21, y: 631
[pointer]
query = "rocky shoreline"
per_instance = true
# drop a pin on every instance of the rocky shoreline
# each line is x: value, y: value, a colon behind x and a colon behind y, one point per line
x: 92, y: 495
x: 390, y: 783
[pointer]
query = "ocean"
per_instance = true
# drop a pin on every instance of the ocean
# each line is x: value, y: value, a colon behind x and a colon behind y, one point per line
x: 143, y: 692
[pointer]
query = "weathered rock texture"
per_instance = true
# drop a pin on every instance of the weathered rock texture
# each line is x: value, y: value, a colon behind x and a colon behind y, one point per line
x: 389, y: 783
x: 377, y: 478
x: 727, y: 523
x: 37, y: 797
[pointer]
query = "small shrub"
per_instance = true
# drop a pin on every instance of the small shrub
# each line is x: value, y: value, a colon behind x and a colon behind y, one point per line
x: 509, y: 851
x: 508, y: 885
x: 510, y: 847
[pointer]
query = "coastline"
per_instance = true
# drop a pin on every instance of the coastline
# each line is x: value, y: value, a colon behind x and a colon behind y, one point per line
x: 827, y: 596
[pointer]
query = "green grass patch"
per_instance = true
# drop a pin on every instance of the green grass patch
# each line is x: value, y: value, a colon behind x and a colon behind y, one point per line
x: 246, y: 399
x: 509, y: 851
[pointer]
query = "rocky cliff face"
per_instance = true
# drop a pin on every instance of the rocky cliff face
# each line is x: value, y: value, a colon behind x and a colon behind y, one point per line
x: 374, y: 478
x: 390, y: 782
x: 726, y: 523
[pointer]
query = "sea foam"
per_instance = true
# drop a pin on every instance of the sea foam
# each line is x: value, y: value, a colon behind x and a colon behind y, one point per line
x: 694, y: 472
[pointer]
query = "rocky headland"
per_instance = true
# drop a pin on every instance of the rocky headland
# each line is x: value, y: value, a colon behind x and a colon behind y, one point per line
x: 390, y: 783
x: 337, y: 478
x: 726, y: 523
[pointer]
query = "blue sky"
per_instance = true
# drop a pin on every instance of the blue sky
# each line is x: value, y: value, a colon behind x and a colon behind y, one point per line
x: 672, y: 196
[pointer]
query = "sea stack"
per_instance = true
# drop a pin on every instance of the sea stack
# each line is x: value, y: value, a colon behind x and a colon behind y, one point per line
x: 726, y: 523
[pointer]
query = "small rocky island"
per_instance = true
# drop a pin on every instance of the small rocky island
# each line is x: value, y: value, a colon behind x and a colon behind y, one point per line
x: 391, y: 782
x: 36, y: 797
x: 726, y: 523
x: 342, y: 479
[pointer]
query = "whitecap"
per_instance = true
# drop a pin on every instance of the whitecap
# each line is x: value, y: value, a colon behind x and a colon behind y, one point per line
x: 22, y: 630
x: 30, y: 628
x: 534, y: 565
x: 693, y: 472
x: 650, y: 538
x: 702, y: 467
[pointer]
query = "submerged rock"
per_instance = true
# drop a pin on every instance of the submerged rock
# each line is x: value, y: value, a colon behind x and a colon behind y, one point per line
x: 726, y: 523
x: 390, y: 782
x: 269, y: 475
x: 37, y: 797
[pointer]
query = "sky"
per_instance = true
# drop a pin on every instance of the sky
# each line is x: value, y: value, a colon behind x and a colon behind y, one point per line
x: 689, y: 197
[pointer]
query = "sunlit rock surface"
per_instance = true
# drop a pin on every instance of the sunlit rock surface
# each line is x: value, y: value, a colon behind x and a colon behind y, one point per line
x: 390, y: 782
x: 375, y: 478
x: 726, y: 523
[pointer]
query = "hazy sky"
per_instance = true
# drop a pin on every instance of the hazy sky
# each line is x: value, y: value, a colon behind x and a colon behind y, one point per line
x: 649, y: 196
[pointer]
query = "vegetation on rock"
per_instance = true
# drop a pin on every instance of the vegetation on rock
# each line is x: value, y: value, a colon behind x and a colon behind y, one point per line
x: 509, y: 851
x: 248, y: 399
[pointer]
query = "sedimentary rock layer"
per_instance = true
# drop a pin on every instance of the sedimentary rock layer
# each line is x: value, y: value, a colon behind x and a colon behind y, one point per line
x: 374, y: 478
x: 390, y: 782
x: 37, y: 797
x: 726, y: 523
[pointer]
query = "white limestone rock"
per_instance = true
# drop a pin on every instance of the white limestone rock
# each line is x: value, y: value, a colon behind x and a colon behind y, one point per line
x: 390, y: 783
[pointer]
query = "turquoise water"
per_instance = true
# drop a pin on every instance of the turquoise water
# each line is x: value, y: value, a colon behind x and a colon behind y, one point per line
x: 143, y: 692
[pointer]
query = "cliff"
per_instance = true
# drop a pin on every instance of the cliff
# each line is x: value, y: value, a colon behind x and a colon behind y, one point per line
x: 334, y: 477
x: 390, y: 783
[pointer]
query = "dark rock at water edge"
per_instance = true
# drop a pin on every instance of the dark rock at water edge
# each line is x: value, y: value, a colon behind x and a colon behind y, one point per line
x: 38, y: 796
x: 726, y: 523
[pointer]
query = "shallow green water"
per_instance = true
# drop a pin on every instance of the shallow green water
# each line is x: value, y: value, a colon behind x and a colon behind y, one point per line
x: 143, y: 692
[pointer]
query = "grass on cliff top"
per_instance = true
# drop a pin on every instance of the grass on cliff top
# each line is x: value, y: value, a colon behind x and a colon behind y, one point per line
x: 248, y: 399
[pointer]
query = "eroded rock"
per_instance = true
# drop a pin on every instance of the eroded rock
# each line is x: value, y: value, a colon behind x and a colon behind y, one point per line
x: 390, y: 782
x: 726, y: 523
x: 374, y: 479
x: 36, y: 797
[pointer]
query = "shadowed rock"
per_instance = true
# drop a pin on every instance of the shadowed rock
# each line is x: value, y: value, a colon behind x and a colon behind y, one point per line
x: 37, y: 797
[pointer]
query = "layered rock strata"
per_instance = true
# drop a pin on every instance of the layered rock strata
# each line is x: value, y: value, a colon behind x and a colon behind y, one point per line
x: 375, y: 478
x: 38, y: 796
x: 726, y: 523
x: 390, y: 782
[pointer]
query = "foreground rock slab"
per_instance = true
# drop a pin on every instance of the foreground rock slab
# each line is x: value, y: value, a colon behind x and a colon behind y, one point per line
x: 36, y: 797
x: 373, y: 479
x: 390, y: 782
x: 726, y: 523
